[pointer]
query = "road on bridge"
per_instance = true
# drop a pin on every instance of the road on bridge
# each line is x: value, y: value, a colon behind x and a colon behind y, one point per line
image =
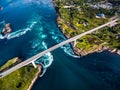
x: 34, y: 58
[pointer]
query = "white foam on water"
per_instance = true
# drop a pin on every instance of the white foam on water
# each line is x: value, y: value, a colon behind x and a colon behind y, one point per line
x: 2, y: 23
x: 43, y: 72
x: 67, y: 48
x: 18, y: 33
x: 47, y: 59
x: 1, y: 37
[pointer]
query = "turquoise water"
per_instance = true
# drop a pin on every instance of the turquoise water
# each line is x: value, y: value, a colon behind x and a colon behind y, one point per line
x: 34, y: 30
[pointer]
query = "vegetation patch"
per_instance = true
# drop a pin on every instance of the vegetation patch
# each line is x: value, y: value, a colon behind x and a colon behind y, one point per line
x: 19, y: 79
x: 8, y: 64
x: 78, y: 16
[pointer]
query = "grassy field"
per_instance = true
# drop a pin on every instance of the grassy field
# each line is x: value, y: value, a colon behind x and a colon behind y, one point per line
x: 18, y: 80
x: 8, y: 64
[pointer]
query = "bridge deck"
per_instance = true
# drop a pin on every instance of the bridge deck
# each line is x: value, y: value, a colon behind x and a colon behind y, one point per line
x: 30, y: 60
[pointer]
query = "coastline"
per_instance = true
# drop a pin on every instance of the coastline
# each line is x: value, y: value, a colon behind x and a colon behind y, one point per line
x: 36, y: 76
x: 77, y: 51
x: 27, y: 74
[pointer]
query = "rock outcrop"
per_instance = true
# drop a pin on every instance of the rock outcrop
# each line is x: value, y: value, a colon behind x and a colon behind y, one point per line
x: 1, y: 8
x: 7, y: 29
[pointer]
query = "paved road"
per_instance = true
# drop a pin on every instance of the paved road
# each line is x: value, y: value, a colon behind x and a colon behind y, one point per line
x: 28, y: 61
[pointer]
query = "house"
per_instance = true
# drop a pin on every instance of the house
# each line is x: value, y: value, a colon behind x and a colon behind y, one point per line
x: 100, y: 15
x: 79, y: 8
x: 117, y: 36
x: 107, y: 6
x: 70, y: 6
x: 85, y: 23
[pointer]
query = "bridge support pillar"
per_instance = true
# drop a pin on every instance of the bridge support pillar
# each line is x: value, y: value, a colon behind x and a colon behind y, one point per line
x: 34, y: 64
x: 74, y: 43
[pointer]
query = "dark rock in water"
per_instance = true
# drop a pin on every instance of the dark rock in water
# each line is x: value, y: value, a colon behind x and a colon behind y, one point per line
x: 1, y: 8
x: 7, y: 29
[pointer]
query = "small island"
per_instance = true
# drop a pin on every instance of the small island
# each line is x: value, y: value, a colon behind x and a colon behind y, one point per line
x: 7, y: 29
x: 78, y: 16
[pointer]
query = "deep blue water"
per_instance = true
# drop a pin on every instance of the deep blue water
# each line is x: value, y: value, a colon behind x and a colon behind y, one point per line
x: 34, y: 30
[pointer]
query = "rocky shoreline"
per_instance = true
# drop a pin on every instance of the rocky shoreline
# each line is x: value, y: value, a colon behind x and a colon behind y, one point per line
x: 7, y: 29
x: 36, y: 76
x: 99, y: 49
x: 77, y: 51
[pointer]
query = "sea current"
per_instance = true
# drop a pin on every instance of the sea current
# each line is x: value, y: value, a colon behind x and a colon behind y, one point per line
x: 34, y: 29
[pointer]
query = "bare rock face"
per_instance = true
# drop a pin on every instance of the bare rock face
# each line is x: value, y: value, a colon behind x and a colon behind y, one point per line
x: 7, y: 29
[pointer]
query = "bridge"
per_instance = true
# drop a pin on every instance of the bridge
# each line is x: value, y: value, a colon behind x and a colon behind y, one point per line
x: 35, y: 57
